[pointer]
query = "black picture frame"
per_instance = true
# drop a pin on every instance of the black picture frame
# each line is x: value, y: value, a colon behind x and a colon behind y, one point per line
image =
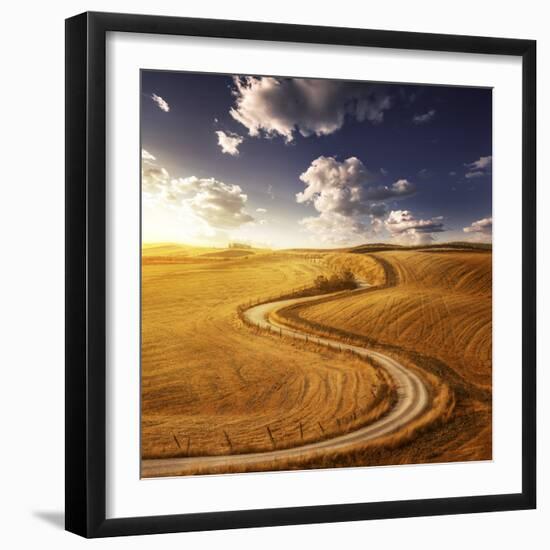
x: 86, y: 274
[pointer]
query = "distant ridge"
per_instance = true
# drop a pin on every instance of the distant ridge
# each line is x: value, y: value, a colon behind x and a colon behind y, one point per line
x: 458, y: 245
x: 381, y: 247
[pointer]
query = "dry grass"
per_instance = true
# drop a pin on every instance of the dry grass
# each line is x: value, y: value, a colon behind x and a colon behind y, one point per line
x: 413, y: 444
x: 170, y: 250
x: 435, y: 310
x: 440, y: 306
x: 211, y: 386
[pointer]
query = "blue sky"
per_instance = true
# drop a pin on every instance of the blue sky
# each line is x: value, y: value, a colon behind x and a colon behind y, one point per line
x: 296, y: 162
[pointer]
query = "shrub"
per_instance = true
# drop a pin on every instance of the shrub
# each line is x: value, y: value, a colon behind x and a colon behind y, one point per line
x: 338, y: 281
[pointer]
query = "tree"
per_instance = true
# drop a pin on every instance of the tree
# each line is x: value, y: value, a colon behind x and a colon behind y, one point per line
x: 337, y: 281
x: 348, y: 277
x: 321, y: 282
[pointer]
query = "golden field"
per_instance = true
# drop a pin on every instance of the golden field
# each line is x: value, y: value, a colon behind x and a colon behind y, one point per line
x: 436, y: 312
x: 212, y: 385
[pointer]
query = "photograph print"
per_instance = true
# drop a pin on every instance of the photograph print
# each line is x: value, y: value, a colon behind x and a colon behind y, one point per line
x: 316, y: 273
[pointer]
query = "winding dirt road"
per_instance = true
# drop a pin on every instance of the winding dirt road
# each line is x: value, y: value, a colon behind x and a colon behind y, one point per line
x: 412, y: 400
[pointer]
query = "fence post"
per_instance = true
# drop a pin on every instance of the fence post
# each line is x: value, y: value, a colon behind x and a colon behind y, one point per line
x: 270, y: 436
x: 228, y: 441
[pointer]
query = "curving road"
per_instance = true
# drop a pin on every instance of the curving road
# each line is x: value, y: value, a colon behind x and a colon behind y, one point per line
x: 412, y: 400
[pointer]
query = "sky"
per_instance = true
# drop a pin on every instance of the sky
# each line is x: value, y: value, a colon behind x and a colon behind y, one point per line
x: 286, y: 162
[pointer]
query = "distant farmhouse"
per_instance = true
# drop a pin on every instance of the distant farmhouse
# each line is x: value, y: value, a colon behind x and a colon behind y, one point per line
x: 238, y: 245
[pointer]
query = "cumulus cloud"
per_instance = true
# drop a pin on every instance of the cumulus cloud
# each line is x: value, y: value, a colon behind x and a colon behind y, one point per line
x: 145, y: 155
x: 377, y: 225
x: 219, y: 204
x: 161, y: 103
x: 479, y: 168
x: 261, y: 210
x: 348, y: 200
x: 229, y: 142
x: 347, y: 187
x: 484, y: 226
x: 480, y: 231
x: 400, y: 188
x: 153, y: 178
x: 404, y: 227
x: 336, y: 229
x: 334, y: 186
x: 283, y: 106
x: 424, y: 117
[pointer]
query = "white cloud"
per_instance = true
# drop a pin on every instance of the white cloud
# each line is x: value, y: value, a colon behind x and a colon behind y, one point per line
x: 474, y: 174
x: 153, y: 178
x: 282, y: 106
x: 333, y: 228
x: 424, y: 173
x: 377, y: 225
x: 484, y: 225
x: 400, y: 188
x: 483, y: 163
x: 479, y: 168
x: 347, y: 199
x: 425, y: 117
x: 347, y: 187
x: 480, y: 231
x: 161, y: 103
x: 229, y: 143
x: 334, y: 186
x: 406, y: 229
x: 261, y: 210
x: 145, y: 155
x: 219, y: 204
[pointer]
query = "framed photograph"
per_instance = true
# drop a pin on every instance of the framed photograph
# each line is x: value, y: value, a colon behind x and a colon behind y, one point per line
x: 300, y: 274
